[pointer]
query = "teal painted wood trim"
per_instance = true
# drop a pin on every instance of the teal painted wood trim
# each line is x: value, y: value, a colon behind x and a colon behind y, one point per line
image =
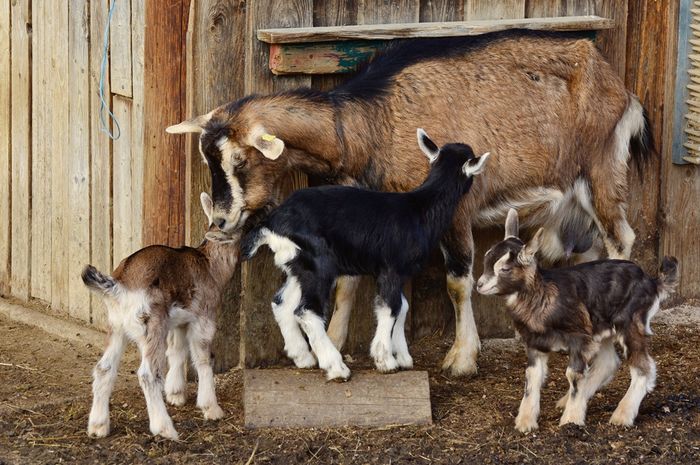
x: 681, y: 89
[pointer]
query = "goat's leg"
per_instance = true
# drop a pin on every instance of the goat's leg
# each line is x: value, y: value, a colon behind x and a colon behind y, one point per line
x: 286, y: 302
x: 152, y: 345
x: 104, y: 375
x: 600, y: 373
x: 200, y: 336
x: 345, y: 289
x: 398, y: 337
x: 535, y: 375
x: 458, y: 249
x: 643, y: 374
x: 387, y: 307
x: 176, y: 379
x: 577, y: 401
x: 329, y: 359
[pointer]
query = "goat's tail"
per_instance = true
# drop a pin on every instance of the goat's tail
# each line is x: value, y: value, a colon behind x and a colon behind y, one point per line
x: 668, y: 276
x: 97, y: 281
x: 251, y: 242
x: 635, y: 121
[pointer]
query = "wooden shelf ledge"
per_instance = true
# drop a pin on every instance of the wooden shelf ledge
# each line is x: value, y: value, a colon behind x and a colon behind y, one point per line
x: 341, y: 49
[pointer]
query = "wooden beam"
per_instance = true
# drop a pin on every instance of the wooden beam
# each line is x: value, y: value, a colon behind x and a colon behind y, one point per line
x: 303, y: 398
x: 5, y: 148
x: 323, y: 57
x: 163, y: 105
x: 441, y: 29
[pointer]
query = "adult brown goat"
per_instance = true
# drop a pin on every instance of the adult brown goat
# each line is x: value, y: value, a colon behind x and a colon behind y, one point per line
x: 557, y: 119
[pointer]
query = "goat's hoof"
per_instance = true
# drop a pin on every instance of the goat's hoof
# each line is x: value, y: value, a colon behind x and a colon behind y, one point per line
x: 561, y: 403
x: 620, y: 418
x: 572, y: 419
x: 98, y: 430
x: 456, y: 366
x: 166, y: 431
x: 525, y: 425
x: 306, y: 360
x: 176, y: 398
x: 405, y: 361
x: 213, y: 412
x: 386, y: 364
x: 339, y: 374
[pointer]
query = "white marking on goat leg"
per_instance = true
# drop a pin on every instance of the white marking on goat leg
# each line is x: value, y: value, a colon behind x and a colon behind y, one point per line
x: 461, y: 359
x: 345, y: 289
x: 104, y: 376
x: 529, y: 411
x: 160, y: 422
x: 175, y: 380
x: 575, y: 409
x: 650, y: 314
x: 284, y: 248
x: 641, y: 383
x: 381, y: 349
x: 329, y: 359
x: 295, y: 345
x: 200, y: 336
x: 398, y: 337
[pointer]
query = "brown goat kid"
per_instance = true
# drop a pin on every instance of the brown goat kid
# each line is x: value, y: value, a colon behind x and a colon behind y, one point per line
x: 554, y: 114
x: 583, y: 310
x: 162, y: 297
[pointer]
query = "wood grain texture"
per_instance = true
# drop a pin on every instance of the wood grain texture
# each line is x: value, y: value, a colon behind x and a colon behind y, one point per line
x: 490, y: 9
x: 321, y: 58
x: 138, y: 30
x: 216, y: 65
x: 5, y: 149
x: 21, y: 155
x: 123, y: 188
x: 295, y: 398
x: 441, y: 10
x: 120, y: 49
x: 613, y: 42
x: 78, y: 158
x: 680, y: 185
x: 101, y: 160
x: 260, y: 277
x: 436, y: 29
x: 163, y: 105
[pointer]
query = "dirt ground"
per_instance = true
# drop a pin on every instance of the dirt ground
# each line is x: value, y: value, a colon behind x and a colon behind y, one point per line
x: 45, y: 397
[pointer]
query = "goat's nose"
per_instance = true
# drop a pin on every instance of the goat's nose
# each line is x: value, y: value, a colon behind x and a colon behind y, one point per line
x: 479, y: 284
x: 220, y: 222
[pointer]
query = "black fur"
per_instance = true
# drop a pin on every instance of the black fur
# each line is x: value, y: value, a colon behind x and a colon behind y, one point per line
x: 97, y: 281
x: 642, y: 145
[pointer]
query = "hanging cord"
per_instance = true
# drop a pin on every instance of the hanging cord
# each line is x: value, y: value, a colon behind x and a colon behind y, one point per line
x: 103, y: 68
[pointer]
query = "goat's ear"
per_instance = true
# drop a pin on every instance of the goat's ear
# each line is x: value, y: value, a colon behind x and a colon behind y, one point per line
x: 475, y: 165
x: 512, y: 226
x: 195, y: 125
x: 527, y: 253
x: 429, y: 148
x: 268, y: 144
x: 207, y: 205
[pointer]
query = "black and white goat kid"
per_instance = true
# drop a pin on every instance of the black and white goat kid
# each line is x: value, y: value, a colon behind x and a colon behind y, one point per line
x: 321, y: 233
x: 584, y: 310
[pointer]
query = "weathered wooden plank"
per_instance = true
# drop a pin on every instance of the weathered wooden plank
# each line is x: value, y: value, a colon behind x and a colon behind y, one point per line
x: 138, y: 28
x: 5, y: 160
x: 441, y: 10
x: 123, y: 187
x: 101, y: 158
x: 58, y: 150
x: 295, y: 398
x: 40, y: 172
x: 120, y: 49
x: 323, y: 57
x: 21, y: 95
x: 613, y: 41
x: 684, y: 73
x: 260, y: 277
x: 489, y: 9
x: 163, y: 105
x: 380, y: 11
x: 443, y: 29
x: 216, y: 66
x: 78, y: 157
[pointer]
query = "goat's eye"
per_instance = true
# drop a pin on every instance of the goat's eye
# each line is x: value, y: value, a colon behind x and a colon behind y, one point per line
x: 506, y: 270
x: 240, y: 164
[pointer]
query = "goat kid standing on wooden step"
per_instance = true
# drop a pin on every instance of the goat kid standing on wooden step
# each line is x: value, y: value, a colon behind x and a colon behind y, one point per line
x: 161, y: 297
x: 584, y: 310
x: 322, y: 233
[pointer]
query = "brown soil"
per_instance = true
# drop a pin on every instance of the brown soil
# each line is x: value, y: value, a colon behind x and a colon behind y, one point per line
x: 45, y: 398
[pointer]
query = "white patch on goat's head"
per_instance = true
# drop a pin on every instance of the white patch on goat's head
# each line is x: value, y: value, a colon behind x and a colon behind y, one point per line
x: 233, y: 213
x: 488, y: 282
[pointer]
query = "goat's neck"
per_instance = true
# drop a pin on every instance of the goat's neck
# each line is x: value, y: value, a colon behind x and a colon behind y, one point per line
x: 440, y: 199
x: 531, y: 305
x: 223, y: 258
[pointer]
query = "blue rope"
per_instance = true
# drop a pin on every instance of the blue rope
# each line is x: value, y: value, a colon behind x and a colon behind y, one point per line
x: 103, y: 68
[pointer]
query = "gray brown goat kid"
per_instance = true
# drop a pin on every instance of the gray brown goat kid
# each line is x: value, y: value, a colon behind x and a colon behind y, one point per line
x: 557, y: 119
x: 583, y: 310
x: 161, y: 297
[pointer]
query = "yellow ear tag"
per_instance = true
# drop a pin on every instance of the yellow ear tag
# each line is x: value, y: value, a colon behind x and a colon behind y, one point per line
x: 268, y: 137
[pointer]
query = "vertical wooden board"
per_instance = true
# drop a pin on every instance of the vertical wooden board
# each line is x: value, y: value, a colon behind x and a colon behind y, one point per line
x: 138, y: 27
x: 613, y: 42
x: 163, y: 105
x: 216, y: 66
x: 120, y: 48
x: 78, y: 161
x: 58, y: 151
x: 545, y: 8
x: 261, y: 278
x: 122, y: 183
x: 332, y: 13
x: 441, y: 10
x: 490, y: 9
x: 5, y: 161
x: 101, y: 158
x: 21, y: 95
x: 41, y: 218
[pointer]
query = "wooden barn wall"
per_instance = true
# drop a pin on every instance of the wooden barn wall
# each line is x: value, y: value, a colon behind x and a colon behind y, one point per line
x: 70, y: 195
x: 236, y: 64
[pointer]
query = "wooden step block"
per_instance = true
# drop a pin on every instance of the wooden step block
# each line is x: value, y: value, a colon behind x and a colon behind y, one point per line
x: 293, y: 398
